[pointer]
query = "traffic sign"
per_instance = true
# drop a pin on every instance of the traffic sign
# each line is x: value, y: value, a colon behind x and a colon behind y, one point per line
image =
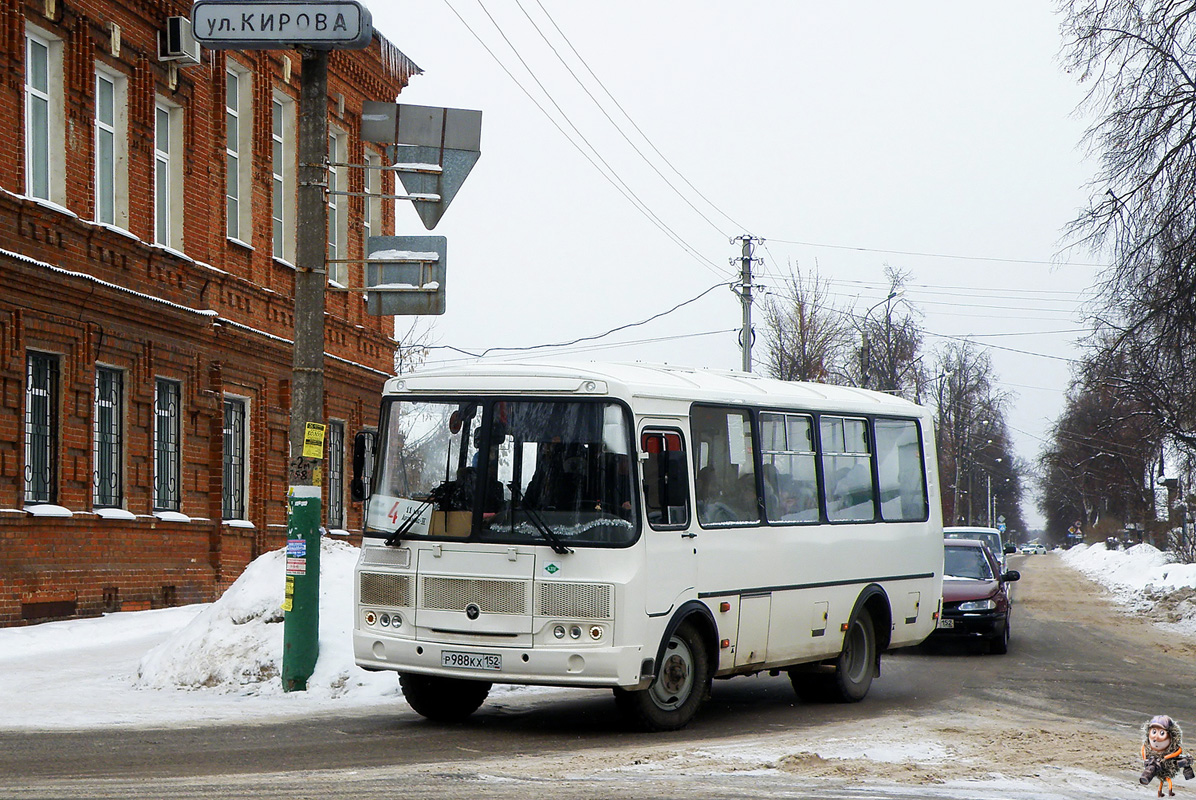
x: 438, y: 145
x: 281, y: 25
x: 404, y: 275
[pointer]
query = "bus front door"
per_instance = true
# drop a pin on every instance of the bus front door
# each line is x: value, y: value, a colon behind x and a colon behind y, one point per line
x: 672, y: 536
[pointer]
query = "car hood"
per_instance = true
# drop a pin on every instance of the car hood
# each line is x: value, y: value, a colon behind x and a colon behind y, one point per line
x: 957, y: 590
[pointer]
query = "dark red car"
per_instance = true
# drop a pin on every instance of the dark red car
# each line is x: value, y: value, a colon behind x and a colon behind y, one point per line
x: 975, y: 598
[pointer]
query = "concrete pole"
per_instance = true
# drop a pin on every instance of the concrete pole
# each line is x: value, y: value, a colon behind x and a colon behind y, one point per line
x: 304, y: 474
x: 745, y: 296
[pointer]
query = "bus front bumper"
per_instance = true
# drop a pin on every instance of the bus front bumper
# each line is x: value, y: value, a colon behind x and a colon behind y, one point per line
x: 558, y: 666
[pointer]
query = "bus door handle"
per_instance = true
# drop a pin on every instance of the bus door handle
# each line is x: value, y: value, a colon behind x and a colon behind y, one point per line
x: 689, y: 535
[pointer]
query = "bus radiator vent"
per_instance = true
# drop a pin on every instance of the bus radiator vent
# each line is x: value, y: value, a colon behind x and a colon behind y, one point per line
x: 490, y: 596
x: 386, y: 590
x: 574, y: 600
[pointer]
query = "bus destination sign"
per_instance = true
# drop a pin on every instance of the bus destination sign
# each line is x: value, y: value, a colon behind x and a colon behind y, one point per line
x: 281, y: 25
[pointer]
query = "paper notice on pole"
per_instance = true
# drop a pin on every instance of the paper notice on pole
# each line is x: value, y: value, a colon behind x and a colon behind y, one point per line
x: 313, y: 440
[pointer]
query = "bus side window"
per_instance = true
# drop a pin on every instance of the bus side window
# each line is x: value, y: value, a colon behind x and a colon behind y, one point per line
x: 666, y: 484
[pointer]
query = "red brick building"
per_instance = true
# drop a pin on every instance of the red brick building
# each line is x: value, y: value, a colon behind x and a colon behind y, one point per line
x: 147, y: 231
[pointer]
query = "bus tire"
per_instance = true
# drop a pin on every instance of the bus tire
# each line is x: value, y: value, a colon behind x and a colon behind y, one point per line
x: 443, y: 699
x: 856, y: 664
x: 681, y: 685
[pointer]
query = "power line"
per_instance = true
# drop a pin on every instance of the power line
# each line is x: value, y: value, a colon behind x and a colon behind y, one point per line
x: 938, y: 255
x: 610, y: 119
x: 609, y: 173
x: 638, y: 130
x: 580, y: 339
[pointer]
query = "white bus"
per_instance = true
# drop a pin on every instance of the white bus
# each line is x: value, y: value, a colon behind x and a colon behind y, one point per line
x: 641, y: 528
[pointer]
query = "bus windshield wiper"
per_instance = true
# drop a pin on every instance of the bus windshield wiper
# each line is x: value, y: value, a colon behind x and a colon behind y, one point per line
x: 553, y: 539
x: 396, y: 538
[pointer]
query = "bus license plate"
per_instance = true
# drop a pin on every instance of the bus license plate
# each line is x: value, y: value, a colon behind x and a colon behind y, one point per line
x: 946, y: 623
x: 456, y: 660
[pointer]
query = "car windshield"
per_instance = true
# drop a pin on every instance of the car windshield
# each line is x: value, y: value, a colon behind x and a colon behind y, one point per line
x: 966, y: 562
x: 993, y: 540
x: 544, y: 471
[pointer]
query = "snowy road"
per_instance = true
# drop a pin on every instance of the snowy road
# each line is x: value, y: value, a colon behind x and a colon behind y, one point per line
x: 1057, y: 717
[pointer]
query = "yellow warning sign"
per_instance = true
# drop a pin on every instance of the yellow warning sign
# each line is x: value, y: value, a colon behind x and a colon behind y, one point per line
x: 313, y: 440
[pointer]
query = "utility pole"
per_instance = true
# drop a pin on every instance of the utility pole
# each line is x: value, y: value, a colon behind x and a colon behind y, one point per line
x: 744, y: 290
x: 302, y: 603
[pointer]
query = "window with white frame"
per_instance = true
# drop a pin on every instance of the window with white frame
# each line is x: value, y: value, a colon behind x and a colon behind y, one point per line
x: 105, y: 149
x: 111, y: 148
x: 108, y: 438
x: 167, y: 449
x: 338, y: 273
x: 371, y: 220
x: 282, y: 161
x: 168, y: 175
x: 45, y: 141
x: 235, y: 438
x: 41, y: 428
x: 238, y: 110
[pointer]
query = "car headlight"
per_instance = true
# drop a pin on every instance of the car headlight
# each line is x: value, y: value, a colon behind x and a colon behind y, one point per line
x: 978, y: 605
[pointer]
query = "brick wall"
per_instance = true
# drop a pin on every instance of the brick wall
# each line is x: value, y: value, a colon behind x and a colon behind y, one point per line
x: 214, y: 315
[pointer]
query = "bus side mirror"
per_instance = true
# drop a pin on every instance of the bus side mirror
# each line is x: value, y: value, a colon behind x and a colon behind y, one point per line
x: 363, y: 465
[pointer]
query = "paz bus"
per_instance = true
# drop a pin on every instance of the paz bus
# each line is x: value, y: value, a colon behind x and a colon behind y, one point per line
x: 641, y: 528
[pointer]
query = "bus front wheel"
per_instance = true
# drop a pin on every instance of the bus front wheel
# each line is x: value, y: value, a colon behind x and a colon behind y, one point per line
x: 681, y: 685
x: 443, y: 699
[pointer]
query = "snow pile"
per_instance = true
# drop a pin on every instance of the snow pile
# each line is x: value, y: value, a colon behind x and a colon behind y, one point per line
x: 1143, y: 578
x: 235, y: 644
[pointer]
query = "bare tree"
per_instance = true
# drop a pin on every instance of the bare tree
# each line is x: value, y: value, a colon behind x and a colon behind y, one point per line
x: 805, y: 337
x: 413, y: 346
x: 1137, y: 57
x: 1098, y: 466
x: 973, y: 445
x: 888, y: 357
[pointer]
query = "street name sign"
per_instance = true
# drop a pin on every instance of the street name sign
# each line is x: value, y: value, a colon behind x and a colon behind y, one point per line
x: 280, y: 25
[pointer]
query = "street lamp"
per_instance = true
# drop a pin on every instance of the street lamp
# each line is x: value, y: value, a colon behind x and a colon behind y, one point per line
x: 865, y: 350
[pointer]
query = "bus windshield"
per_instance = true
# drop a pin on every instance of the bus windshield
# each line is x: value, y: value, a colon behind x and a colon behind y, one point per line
x: 555, y: 472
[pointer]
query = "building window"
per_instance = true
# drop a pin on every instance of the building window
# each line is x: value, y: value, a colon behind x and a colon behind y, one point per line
x: 108, y: 488
x: 168, y: 175
x: 45, y: 151
x: 233, y: 503
x: 238, y: 129
x: 336, y: 475
x: 371, y: 220
x: 167, y: 396
x: 41, y: 428
x: 105, y: 126
x: 283, y: 190
x: 338, y: 273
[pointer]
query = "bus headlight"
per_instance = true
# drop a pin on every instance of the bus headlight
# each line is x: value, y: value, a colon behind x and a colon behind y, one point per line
x: 596, y: 632
x: 575, y: 632
x: 370, y: 618
x: 559, y: 631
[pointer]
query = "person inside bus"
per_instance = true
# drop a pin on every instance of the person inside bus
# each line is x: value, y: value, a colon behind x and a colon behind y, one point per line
x: 616, y: 485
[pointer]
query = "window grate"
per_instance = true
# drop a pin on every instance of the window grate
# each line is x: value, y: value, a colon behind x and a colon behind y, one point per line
x: 41, y: 428
x: 108, y: 448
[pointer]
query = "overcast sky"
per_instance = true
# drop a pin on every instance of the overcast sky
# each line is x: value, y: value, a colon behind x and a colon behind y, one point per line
x: 936, y: 137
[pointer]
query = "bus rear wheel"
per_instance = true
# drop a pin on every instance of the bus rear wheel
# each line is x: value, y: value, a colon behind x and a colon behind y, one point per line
x: 681, y: 685
x: 443, y: 699
x: 853, y: 669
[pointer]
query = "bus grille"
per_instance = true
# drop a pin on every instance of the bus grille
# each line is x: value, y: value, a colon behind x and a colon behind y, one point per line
x: 386, y: 590
x: 574, y: 600
x: 490, y: 596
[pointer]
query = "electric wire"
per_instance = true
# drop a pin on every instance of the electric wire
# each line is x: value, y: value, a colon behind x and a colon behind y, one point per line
x: 627, y: 116
x: 578, y: 340
x: 609, y: 172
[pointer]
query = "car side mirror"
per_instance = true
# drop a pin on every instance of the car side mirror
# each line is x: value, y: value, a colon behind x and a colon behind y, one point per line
x: 1010, y: 549
x: 363, y: 465
x: 1011, y: 576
